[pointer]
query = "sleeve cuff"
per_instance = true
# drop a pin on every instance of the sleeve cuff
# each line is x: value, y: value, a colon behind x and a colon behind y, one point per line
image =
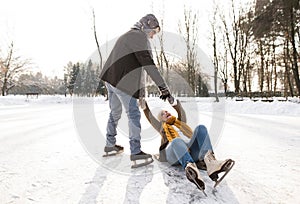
x: 174, y: 103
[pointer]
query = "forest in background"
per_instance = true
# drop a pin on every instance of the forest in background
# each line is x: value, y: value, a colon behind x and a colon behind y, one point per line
x: 255, y: 52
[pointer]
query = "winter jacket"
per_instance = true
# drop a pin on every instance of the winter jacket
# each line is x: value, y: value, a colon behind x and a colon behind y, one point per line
x: 158, y: 126
x: 126, y: 62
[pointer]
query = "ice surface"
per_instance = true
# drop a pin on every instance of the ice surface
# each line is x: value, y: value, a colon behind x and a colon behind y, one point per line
x: 43, y: 157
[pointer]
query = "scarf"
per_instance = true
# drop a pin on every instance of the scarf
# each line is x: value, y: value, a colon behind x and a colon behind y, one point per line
x: 142, y: 27
x: 137, y: 26
x: 171, y: 133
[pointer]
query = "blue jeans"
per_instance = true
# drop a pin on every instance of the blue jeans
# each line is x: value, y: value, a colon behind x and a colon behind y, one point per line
x: 116, y: 99
x: 178, y: 151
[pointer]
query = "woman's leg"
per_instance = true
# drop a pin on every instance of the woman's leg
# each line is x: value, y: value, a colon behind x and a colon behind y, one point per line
x: 200, y: 143
x: 177, y: 152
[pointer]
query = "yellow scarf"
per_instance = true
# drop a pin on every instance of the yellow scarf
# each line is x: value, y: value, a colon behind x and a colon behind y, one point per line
x: 171, y: 133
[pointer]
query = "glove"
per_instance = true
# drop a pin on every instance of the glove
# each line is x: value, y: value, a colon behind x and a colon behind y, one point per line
x: 171, y: 100
x: 142, y: 103
x: 164, y: 93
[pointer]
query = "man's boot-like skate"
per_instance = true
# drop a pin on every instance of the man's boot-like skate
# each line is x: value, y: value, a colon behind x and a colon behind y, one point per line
x: 141, y: 156
x: 112, y: 151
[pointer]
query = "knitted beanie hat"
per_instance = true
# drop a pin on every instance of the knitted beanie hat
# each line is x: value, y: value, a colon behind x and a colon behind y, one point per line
x: 159, y: 115
x: 149, y: 22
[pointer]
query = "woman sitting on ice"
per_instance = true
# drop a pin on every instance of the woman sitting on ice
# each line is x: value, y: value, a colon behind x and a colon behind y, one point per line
x: 181, y: 145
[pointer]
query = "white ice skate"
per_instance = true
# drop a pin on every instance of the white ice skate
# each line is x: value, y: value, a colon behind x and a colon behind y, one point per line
x: 214, y: 167
x: 193, y: 175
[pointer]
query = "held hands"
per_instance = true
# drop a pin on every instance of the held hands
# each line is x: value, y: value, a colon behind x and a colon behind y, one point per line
x: 165, y: 94
x: 171, y: 99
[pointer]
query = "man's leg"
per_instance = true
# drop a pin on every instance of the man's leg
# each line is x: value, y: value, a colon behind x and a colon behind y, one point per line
x: 114, y: 116
x: 134, y: 117
x: 133, y: 113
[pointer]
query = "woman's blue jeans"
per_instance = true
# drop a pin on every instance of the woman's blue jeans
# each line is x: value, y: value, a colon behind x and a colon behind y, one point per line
x: 116, y: 98
x: 179, y: 152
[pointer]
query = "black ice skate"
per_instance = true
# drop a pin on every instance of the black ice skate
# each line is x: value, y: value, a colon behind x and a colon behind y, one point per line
x: 141, y: 156
x: 193, y: 175
x: 112, y: 151
x: 214, y: 167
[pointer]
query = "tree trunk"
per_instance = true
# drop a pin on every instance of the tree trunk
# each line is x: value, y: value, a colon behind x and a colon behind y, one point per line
x: 261, y: 72
x: 295, y: 54
x: 287, y: 69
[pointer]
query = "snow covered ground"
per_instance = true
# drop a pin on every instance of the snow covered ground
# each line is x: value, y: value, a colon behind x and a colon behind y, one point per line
x: 50, y: 152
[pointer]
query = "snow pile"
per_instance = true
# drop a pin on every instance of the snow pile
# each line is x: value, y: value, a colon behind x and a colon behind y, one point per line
x: 266, y: 108
x: 290, y: 107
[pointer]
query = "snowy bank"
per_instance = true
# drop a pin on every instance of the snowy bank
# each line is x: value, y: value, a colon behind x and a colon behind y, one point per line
x: 291, y: 107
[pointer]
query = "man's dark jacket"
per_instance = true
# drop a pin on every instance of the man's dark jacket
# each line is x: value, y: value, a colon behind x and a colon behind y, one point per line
x: 130, y: 55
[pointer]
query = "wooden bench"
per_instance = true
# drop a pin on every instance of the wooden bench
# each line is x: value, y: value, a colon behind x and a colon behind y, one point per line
x: 32, y: 95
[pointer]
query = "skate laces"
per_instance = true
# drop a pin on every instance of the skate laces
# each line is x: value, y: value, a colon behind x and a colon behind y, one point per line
x: 193, y: 167
x: 190, y: 165
x: 210, y: 156
x: 193, y: 175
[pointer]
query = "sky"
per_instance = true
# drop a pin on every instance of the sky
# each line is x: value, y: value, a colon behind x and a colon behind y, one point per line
x: 52, y: 33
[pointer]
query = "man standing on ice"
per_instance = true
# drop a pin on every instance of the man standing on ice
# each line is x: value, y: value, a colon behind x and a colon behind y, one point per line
x: 123, y: 73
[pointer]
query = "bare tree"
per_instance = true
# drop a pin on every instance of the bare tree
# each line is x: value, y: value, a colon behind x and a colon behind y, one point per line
x: 287, y: 73
x: 216, y: 60
x: 232, y: 44
x: 190, y: 33
x: 281, y: 18
x: 223, y: 68
x: 101, y: 83
x: 96, y: 39
x: 291, y: 8
x: 161, y: 57
x: 237, y: 31
x: 245, y: 36
x: 11, y: 67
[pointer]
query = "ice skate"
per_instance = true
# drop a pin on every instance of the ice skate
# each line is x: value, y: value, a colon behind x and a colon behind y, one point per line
x: 112, y: 151
x: 201, y: 165
x: 214, y: 167
x: 141, y: 156
x: 193, y: 175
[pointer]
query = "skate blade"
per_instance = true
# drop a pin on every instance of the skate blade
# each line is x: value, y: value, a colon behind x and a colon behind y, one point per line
x: 230, y: 163
x: 192, y: 177
x: 147, y: 161
x: 109, y: 154
x: 156, y: 156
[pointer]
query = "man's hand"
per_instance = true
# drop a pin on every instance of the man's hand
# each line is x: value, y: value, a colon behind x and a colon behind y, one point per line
x: 165, y: 94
